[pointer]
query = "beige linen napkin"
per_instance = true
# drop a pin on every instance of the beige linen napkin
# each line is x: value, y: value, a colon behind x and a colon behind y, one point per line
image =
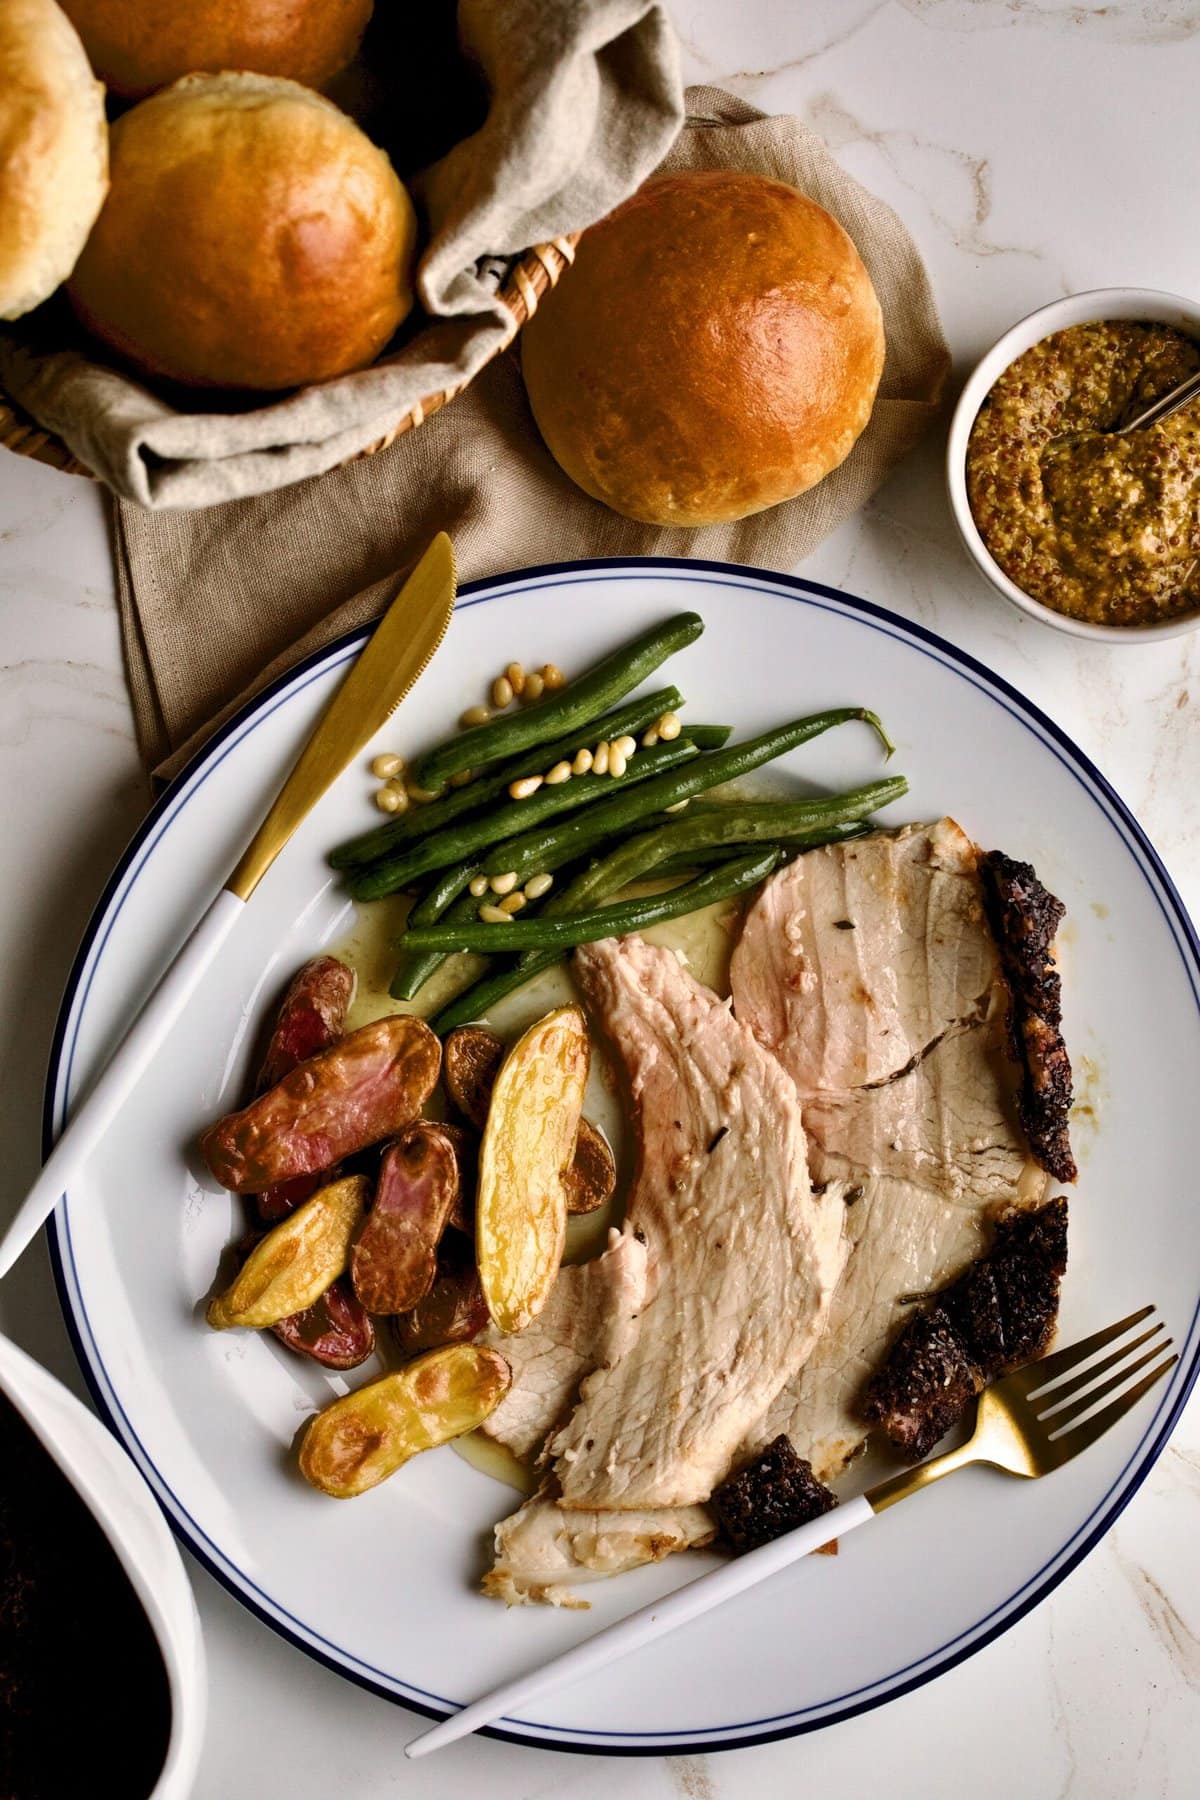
x: 216, y: 603
x: 584, y: 100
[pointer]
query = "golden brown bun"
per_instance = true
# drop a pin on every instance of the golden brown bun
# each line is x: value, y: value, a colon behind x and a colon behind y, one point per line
x: 53, y: 152
x: 253, y: 238
x: 715, y: 349
x: 137, y: 46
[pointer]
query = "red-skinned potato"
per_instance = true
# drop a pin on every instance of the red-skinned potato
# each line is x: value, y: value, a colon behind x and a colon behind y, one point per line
x: 472, y: 1056
x: 452, y: 1312
x: 334, y: 1331
x: 312, y: 1015
x: 394, y: 1261
x: 366, y: 1087
x: 466, y: 1154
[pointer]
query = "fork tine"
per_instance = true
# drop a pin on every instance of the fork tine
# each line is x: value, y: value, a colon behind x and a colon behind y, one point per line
x: 1067, y: 1390
x: 1081, y: 1437
x: 1049, y: 1368
x: 1115, y: 1382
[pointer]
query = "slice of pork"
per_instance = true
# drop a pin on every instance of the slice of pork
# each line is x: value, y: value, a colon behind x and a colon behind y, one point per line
x: 856, y: 957
x: 743, y: 1259
x: 543, y: 1553
x: 909, y: 1098
x: 588, y: 1322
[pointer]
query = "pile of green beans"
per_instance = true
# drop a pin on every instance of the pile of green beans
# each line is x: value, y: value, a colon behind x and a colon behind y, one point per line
x: 732, y: 877
x: 422, y: 821
x: 571, y: 709
x: 547, y: 849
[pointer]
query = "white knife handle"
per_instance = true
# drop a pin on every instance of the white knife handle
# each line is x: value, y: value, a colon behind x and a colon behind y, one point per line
x: 653, y: 1621
x: 129, y: 1062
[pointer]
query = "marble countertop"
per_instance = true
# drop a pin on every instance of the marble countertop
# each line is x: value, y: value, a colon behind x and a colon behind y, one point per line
x: 994, y: 128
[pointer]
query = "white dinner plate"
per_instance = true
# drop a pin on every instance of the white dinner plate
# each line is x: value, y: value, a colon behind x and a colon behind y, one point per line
x: 384, y: 1588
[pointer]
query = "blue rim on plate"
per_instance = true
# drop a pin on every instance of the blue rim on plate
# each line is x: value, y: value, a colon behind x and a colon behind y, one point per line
x: 733, y: 1735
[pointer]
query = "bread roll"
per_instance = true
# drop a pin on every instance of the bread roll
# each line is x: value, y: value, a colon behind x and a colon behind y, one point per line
x: 53, y: 152
x: 714, y: 350
x: 137, y: 46
x: 253, y: 238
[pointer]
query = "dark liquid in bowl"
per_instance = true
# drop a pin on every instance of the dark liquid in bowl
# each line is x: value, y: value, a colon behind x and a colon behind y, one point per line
x: 84, y: 1702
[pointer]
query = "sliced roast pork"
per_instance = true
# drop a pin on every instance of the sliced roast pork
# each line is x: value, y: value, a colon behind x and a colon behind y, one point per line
x: 543, y: 1552
x: 589, y: 1321
x: 909, y: 1096
x: 742, y: 1257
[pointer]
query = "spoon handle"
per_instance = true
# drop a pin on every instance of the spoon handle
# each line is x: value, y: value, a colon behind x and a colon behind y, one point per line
x: 1182, y: 394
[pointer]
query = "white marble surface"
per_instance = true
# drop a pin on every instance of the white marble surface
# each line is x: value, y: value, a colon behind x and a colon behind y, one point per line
x: 1035, y: 147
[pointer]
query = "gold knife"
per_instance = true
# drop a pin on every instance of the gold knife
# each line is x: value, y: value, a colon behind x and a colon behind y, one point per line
x: 399, y: 649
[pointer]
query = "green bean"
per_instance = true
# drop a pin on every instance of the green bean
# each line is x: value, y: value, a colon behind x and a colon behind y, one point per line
x: 467, y: 839
x: 446, y: 896
x: 764, y: 821
x: 571, y: 709
x: 422, y: 821
x: 789, y: 847
x: 445, y: 887
x: 548, y: 848
x: 607, y: 921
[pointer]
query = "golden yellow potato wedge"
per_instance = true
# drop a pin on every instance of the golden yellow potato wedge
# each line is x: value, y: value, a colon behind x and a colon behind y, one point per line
x: 358, y: 1442
x: 297, y: 1261
x: 528, y: 1145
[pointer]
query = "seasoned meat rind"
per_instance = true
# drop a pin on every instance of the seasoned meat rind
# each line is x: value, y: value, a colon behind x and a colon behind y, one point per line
x: 394, y: 1261
x: 996, y: 1317
x: 1025, y: 917
x: 364, y: 1088
x: 773, y: 1493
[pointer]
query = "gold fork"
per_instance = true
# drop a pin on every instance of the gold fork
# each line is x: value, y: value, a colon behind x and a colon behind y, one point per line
x: 1029, y: 1423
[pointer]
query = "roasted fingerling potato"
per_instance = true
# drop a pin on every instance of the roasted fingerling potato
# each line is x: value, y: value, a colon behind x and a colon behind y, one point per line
x: 335, y: 1331
x: 359, y: 1441
x: 296, y: 1262
x: 394, y: 1260
x: 452, y: 1312
x: 362, y: 1089
x: 528, y: 1144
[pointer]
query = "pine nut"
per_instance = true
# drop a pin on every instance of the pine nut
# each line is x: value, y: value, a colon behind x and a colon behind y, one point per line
x: 678, y: 806
x: 649, y: 739
x: 669, y: 726
x: 391, y: 799
x: 626, y: 745
x: 616, y: 761
x: 534, y: 686
x: 521, y: 790
x: 516, y: 678
x: 462, y: 778
x: 421, y: 795
x: 475, y: 715
x: 552, y: 675
x: 512, y: 903
x: 504, y: 884
x: 582, y: 763
x: 559, y: 773
x: 491, y: 915
x: 600, y: 758
x: 479, y: 885
x: 537, y: 885
x: 502, y: 692
x: 387, y: 765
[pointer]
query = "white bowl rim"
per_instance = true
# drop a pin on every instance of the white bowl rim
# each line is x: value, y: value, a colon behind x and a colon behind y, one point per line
x: 1093, y: 304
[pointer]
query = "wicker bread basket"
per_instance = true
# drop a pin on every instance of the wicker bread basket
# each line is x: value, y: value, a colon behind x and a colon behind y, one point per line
x: 525, y: 283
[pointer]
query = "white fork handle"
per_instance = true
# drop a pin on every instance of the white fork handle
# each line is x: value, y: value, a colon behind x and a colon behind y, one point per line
x: 642, y: 1627
x: 128, y: 1064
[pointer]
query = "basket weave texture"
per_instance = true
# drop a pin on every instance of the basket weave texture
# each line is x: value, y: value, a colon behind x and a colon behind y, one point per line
x: 531, y: 276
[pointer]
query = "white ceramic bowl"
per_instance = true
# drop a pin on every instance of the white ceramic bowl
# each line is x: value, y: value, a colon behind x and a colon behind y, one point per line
x: 1076, y: 309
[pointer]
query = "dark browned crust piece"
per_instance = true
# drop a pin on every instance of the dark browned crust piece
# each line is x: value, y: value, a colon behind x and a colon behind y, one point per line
x: 1024, y: 917
x: 771, y: 1494
x: 1000, y: 1314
